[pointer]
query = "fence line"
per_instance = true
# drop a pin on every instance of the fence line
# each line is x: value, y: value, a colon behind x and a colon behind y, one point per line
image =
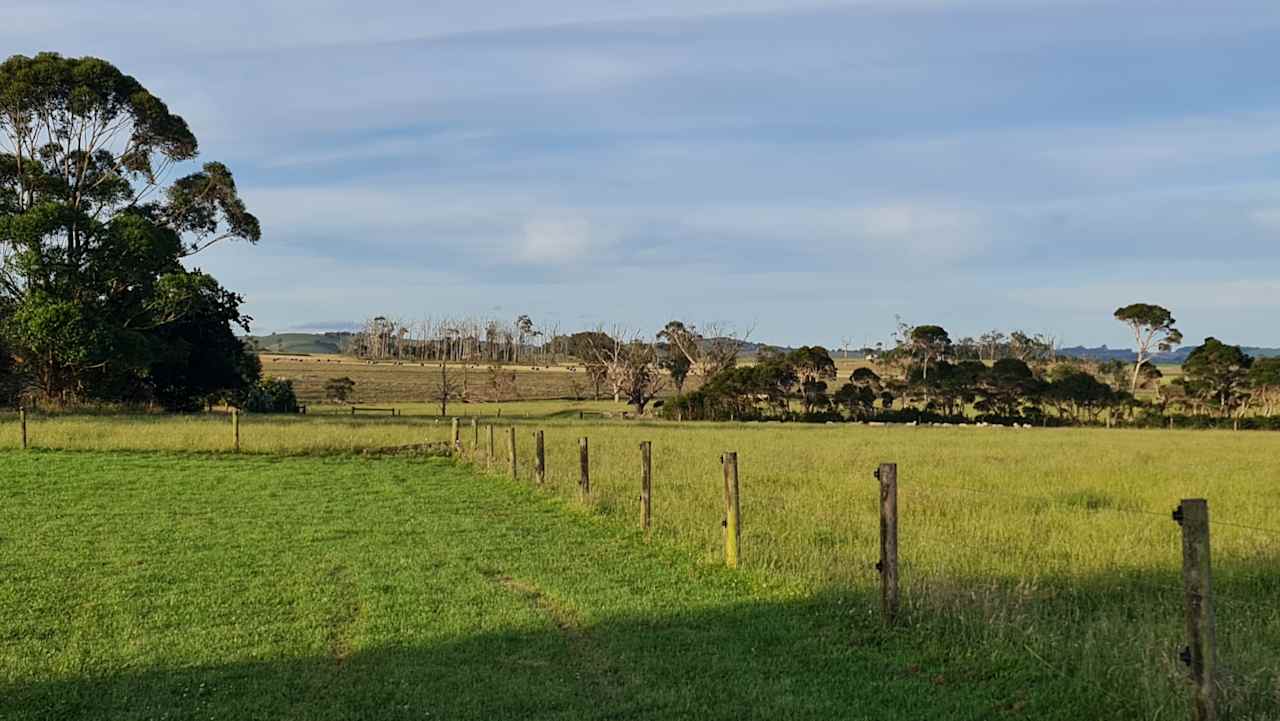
x: 1198, y: 599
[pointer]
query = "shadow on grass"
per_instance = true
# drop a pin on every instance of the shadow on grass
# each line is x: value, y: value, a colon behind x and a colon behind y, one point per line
x: 825, y: 657
x: 819, y: 659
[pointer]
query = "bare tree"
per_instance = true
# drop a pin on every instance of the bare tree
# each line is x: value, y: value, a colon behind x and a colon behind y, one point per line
x: 708, y: 351
x: 608, y: 352
x: 447, y: 390
x: 630, y: 365
x: 643, y: 379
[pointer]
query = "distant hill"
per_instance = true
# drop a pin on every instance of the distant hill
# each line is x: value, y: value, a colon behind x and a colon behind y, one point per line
x: 1178, y: 356
x: 311, y: 343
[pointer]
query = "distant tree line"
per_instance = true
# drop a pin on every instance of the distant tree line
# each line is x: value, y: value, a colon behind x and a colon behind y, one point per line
x: 1016, y: 377
x: 471, y: 340
x: 927, y: 377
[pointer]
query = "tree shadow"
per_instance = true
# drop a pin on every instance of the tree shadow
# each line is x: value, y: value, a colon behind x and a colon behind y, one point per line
x: 819, y: 658
x: 823, y: 657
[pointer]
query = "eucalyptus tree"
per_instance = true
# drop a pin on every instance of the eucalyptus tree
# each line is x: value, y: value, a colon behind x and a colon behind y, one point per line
x: 93, y: 291
x: 1264, y: 383
x: 1153, y: 327
x: 928, y: 343
x: 814, y: 366
x: 1218, y: 373
x: 676, y: 364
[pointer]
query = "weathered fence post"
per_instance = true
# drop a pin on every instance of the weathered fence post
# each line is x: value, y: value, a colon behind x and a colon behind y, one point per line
x: 887, y: 473
x: 1201, y: 653
x: 235, y: 428
x: 539, y: 459
x: 584, y: 466
x: 646, y: 485
x: 22, y: 416
x: 732, y: 510
x: 475, y: 436
x: 511, y: 449
x: 489, y: 461
x: 455, y: 436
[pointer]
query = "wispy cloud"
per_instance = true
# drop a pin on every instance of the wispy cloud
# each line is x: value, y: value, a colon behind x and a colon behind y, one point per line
x: 806, y: 165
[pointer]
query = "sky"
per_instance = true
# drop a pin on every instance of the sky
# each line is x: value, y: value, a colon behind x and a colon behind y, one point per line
x: 807, y: 170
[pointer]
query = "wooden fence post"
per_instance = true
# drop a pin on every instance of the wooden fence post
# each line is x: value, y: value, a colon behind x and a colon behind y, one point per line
x: 646, y: 485
x: 455, y: 436
x: 732, y: 510
x: 475, y: 436
x: 22, y: 416
x: 235, y: 428
x: 511, y: 449
x: 888, y: 565
x: 539, y: 459
x: 1201, y: 653
x: 489, y: 461
x: 584, y: 465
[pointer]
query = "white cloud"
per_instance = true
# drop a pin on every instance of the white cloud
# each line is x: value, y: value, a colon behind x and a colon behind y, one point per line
x: 560, y: 240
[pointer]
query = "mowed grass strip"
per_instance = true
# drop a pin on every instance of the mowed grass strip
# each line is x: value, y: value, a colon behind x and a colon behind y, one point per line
x: 150, y: 585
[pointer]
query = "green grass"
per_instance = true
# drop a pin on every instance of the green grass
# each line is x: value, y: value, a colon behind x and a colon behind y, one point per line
x: 143, y: 586
x: 1043, y: 552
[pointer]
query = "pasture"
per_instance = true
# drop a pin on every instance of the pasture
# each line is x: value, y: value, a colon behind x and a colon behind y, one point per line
x: 391, y: 381
x: 1040, y: 567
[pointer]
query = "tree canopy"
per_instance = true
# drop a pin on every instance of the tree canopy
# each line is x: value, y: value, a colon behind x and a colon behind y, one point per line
x: 1217, y: 372
x: 95, y: 301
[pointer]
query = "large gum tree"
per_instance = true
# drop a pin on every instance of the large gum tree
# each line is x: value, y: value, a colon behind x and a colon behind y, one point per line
x: 95, y: 301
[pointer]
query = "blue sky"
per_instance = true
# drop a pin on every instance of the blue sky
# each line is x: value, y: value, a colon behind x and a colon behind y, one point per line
x: 811, y: 169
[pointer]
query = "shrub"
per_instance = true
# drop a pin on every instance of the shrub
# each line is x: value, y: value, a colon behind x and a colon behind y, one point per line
x: 339, y: 389
x: 270, y: 395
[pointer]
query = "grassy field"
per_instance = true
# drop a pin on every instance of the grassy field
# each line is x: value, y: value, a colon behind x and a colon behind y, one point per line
x: 146, y: 586
x: 1049, y: 552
